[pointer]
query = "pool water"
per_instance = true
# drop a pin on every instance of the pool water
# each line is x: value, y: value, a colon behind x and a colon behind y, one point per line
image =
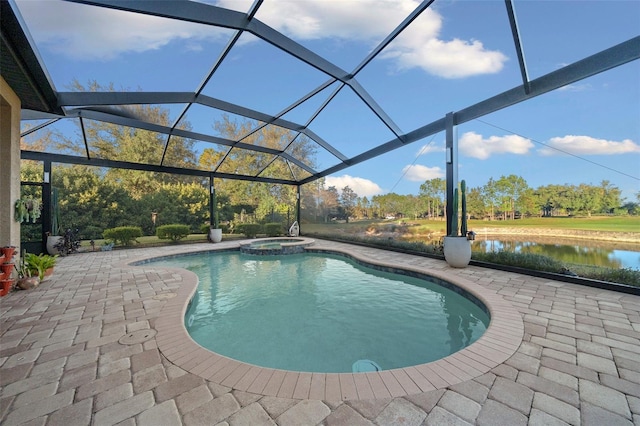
x: 323, y: 313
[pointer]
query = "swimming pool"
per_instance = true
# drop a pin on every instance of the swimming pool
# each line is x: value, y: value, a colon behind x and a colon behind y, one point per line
x: 323, y: 313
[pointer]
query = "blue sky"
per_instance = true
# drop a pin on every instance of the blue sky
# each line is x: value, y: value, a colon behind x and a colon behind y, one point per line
x: 454, y: 55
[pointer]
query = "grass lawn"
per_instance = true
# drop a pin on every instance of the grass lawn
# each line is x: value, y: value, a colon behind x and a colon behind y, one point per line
x: 595, y: 223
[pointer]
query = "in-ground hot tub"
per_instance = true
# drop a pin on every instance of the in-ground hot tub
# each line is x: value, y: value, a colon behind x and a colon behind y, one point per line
x: 275, y: 246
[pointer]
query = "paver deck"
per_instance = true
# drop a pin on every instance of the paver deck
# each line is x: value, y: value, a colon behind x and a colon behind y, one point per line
x: 102, y: 343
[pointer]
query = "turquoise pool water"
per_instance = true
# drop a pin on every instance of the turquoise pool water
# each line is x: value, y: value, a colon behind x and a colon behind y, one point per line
x: 323, y: 313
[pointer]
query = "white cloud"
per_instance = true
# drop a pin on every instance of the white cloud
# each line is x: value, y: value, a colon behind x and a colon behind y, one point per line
x: 419, y: 46
x: 449, y: 59
x: 474, y: 145
x: 97, y: 33
x: 586, y: 145
x: 575, y: 87
x: 362, y: 187
x: 420, y: 173
x: 429, y: 148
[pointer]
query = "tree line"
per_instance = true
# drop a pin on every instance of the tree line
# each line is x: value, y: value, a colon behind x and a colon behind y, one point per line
x: 505, y: 198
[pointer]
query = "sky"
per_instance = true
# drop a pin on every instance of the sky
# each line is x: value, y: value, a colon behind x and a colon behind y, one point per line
x: 453, y: 55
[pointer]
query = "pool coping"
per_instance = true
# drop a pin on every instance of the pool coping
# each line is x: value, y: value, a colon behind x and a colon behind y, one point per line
x: 499, y: 342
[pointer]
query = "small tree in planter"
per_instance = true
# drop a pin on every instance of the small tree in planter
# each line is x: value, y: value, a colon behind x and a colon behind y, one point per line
x: 215, y: 232
x: 457, y: 247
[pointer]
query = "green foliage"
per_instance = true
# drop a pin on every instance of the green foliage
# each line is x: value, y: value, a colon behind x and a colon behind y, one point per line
x: 173, y: 232
x: 454, y: 217
x: 38, y: 264
x: 92, y: 232
x: 463, y: 191
x: 273, y: 229
x: 27, y: 210
x: 627, y: 276
x: 523, y: 260
x: 250, y: 230
x: 126, y: 235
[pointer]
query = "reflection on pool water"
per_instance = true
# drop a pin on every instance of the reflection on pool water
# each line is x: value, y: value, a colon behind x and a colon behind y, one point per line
x: 323, y: 313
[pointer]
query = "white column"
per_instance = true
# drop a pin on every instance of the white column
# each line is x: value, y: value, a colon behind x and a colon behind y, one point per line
x: 9, y: 164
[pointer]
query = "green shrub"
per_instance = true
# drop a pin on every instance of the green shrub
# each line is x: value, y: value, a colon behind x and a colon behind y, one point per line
x: 533, y: 261
x: 126, y: 235
x: 250, y: 230
x: 273, y: 229
x: 627, y: 276
x: 92, y: 232
x: 173, y: 232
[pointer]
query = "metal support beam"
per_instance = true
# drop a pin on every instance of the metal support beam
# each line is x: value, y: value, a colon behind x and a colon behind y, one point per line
x: 518, y: 45
x: 298, y: 198
x: 451, y: 157
x: 212, y: 197
x: 114, y: 164
x: 46, y: 203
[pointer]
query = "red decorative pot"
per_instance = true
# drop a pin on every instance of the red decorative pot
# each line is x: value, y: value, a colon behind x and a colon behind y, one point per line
x: 5, y: 287
x: 6, y: 267
x: 8, y: 252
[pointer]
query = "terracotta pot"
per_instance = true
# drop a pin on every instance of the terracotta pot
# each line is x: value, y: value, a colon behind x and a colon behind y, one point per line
x: 5, y: 287
x: 47, y: 274
x: 6, y: 267
x: 8, y: 252
x: 3, y: 276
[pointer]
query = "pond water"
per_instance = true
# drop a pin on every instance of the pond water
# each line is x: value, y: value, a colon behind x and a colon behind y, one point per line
x: 586, y: 252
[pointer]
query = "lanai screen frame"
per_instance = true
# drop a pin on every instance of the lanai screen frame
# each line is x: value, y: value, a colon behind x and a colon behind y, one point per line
x: 102, y: 106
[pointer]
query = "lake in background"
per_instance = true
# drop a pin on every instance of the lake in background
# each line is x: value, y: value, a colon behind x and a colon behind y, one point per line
x: 588, y: 252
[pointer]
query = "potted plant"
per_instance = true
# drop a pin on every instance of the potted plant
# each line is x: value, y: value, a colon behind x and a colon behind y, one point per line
x: 25, y: 279
x: 41, y: 264
x: 457, y: 247
x: 68, y: 243
x: 215, y: 232
x: 54, y: 237
x: 27, y: 210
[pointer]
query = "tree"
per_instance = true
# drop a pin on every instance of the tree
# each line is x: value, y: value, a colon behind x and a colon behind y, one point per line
x: 116, y: 142
x: 348, y: 201
x: 510, y: 189
x: 490, y: 195
x: 432, y: 191
x: 330, y: 202
x: 610, y: 196
x: 266, y: 200
x: 475, y: 203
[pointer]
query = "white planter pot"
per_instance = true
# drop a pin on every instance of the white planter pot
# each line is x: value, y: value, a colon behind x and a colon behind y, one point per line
x: 52, y: 240
x: 215, y: 235
x: 457, y: 251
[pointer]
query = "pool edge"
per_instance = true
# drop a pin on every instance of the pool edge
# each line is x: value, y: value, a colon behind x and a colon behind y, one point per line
x: 498, y: 343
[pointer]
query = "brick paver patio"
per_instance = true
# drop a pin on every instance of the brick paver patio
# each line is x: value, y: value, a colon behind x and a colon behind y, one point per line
x: 92, y: 345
